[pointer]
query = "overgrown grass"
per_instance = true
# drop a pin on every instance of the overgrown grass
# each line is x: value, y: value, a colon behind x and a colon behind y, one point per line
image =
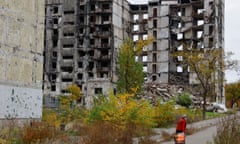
x: 167, y: 136
x: 210, y: 115
x: 228, y: 130
x: 114, y: 128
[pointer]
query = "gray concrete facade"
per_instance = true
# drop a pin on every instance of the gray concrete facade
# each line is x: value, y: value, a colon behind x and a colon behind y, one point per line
x: 83, y: 38
x: 21, y: 58
x: 82, y: 41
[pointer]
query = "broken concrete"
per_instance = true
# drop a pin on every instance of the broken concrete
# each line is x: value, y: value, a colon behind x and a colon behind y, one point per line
x: 83, y: 38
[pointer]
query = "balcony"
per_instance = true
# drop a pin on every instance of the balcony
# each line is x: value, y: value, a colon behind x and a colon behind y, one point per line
x: 103, y: 68
x: 101, y: 34
x: 101, y: 57
x: 67, y: 75
x: 66, y: 63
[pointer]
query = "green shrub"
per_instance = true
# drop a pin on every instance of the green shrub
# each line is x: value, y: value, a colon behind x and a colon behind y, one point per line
x: 184, y: 100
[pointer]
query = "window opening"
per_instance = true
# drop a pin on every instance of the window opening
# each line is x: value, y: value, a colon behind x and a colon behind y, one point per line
x: 155, y: 23
x: 154, y: 12
x: 154, y: 68
x: 98, y: 90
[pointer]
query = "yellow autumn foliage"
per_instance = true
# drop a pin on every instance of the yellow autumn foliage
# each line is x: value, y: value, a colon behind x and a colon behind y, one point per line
x: 50, y: 116
x: 2, y: 141
x: 75, y: 92
x: 123, y: 109
x: 67, y: 104
x: 142, y: 43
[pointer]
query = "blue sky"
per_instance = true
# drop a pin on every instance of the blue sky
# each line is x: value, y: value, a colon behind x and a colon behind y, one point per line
x: 232, y: 30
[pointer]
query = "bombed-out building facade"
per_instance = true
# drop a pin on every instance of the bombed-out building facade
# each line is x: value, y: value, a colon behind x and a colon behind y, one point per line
x: 83, y: 37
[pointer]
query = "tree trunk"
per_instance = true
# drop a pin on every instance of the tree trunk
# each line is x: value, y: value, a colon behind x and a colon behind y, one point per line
x: 204, y: 105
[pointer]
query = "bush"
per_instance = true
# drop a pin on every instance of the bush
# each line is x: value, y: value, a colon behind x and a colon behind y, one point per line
x: 184, y: 100
x: 100, y: 132
x: 50, y: 117
x: 103, y: 132
x: 165, y: 114
x: 193, y: 115
x: 228, y: 130
x: 37, y: 132
x: 123, y: 109
x: 117, y: 119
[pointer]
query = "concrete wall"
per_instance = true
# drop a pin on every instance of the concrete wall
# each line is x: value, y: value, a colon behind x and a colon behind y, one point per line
x: 105, y: 86
x: 21, y: 57
x: 20, y: 102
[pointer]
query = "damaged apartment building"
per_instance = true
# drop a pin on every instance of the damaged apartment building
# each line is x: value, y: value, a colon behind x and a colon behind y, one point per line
x: 83, y: 37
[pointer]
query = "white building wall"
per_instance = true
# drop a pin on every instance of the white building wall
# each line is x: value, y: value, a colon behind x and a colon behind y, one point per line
x: 20, y: 102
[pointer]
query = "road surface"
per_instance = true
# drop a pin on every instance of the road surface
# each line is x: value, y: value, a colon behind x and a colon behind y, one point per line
x: 204, y: 136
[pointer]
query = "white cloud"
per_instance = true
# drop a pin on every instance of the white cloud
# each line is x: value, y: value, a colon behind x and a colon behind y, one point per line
x: 138, y: 1
x: 232, y: 30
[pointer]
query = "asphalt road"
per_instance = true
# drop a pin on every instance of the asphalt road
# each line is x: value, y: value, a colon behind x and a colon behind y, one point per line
x: 204, y: 136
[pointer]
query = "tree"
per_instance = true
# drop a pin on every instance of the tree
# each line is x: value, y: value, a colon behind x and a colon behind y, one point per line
x: 207, y: 66
x: 130, y: 71
x: 75, y: 92
x: 233, y: 92
x: 67, y: 107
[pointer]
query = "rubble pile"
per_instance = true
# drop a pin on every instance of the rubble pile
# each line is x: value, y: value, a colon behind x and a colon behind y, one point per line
x: 165, y: 92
